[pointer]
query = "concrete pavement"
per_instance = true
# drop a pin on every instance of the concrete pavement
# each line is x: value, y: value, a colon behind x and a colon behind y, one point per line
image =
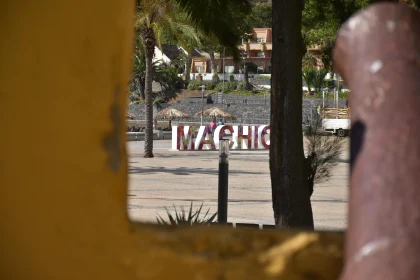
x: 179, y: 177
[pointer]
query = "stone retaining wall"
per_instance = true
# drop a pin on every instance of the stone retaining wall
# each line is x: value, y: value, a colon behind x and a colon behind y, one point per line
x: 247, y: 109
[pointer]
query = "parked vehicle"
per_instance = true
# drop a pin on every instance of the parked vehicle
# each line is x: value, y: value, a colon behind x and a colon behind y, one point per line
x: 340, y: 127
x: 335, y: 120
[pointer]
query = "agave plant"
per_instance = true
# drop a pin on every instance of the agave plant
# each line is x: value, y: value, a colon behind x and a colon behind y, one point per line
x: 181, y: 217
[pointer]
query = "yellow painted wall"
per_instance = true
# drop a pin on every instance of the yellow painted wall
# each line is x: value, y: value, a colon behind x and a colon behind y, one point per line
x: 64, y: 67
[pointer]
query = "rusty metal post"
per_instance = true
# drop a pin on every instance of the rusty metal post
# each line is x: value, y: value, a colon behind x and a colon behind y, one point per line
x: 378, y: 55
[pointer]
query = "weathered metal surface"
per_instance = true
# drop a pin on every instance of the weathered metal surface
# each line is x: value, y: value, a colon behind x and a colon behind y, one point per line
x: 378, y: 55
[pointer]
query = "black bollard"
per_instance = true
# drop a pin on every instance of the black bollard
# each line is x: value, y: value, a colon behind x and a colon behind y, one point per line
x: 223, y: 181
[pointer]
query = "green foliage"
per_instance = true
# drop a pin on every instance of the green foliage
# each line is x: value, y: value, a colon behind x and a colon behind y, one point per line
x: 242, y: 92
x: 261, y: 15
x: 264, y: 91
x: 228, y: 86
x: 133, y: 96
x: 240, y: 85
x: 195, y: 85
x: 229, y: 26
x: 158, y: 100
x: 314, y: 78
x: 319, y: 79
x: 170, y: 82
x: 263, y: 78
x: 321, y: 20
x: 182, y: 218
x: 138, y: 102
x: 138, y: 75
x: 309, y: 60
x: 309, y: 76
x: 235, y: 87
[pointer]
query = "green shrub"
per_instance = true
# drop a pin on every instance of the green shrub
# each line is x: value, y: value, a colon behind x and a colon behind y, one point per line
x: 319, y: 79
x: 309, y: 76
x: 240, y: 85
x: 209, y: 85
x: 159, y: 100
x: 263, y: 77
x: 196, y: 85
x: 181, y: 218
x: 264, y: 91
x: 344, y: 95
x: 229, y: 86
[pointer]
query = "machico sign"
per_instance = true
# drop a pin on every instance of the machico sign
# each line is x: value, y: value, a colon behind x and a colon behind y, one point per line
x: 243, y: 137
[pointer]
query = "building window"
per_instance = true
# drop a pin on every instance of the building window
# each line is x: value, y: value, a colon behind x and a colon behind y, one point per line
x: 261, y: 40
x: 260, y: 54
x: 229, y: 69
x: 198, y: 69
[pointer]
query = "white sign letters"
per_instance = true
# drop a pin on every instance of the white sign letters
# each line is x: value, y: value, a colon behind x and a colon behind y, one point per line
x: 242, y: 137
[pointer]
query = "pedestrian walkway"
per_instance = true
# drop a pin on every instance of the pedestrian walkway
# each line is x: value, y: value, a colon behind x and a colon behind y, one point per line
x: 179, y: 177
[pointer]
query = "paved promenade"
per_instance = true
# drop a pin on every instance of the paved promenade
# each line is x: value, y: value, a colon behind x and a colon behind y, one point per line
x: 179, y: 177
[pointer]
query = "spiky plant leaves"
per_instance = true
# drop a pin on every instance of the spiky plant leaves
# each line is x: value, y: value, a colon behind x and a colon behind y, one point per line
x: 161, y: 221
x: 205, y: 215
x: 322, y: 153
x: 190, y: 213
x: 198, y: 214
x: 181, y: 217
x: 171, y: 218
x: 211, y: 219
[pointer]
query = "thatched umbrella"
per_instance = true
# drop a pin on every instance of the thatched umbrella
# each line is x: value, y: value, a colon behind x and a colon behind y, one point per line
x: 216, y: 112
x: 171, y: 114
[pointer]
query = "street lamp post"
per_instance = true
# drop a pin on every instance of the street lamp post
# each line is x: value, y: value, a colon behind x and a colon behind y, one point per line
x: 223, y: 85
x: 202, y: 106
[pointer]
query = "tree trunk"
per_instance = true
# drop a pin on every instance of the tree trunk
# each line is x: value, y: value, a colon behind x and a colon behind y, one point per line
x: 188, y: 67
x: 212, y: 63
x: 142, y: 86
x: 289, y: 180
x: 215, y: 76
x: 149, y: 42
x: 247, y: 86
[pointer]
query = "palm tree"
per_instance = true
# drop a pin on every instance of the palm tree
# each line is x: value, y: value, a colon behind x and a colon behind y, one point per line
x: 153, y: 16
x: 318, y: 82
x: 227, y: 12
x: 138, y: 75
x: 309, y: 76
x: 150, y: 12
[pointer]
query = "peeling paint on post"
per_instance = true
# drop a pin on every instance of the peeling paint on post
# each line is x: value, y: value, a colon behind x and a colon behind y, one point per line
x: 113, y: 142
x: 376, y: 53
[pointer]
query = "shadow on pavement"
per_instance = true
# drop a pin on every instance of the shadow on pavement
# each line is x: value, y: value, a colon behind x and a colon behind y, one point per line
x: 182, y: 171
